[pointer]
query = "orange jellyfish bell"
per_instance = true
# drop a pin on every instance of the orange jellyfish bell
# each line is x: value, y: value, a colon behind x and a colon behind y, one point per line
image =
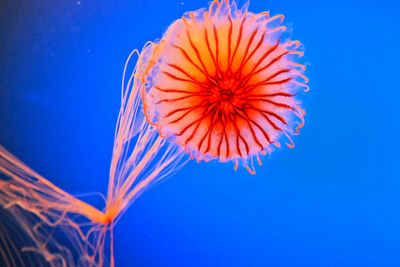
x: 224, y: 84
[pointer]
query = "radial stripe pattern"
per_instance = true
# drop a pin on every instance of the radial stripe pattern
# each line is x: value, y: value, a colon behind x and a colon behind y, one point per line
x: 225, y: 84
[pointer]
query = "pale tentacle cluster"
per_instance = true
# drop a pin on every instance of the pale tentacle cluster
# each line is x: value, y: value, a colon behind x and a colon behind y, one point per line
x: 57, y: 228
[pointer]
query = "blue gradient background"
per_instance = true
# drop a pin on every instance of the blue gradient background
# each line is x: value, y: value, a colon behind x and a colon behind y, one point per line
x: 334, y: 200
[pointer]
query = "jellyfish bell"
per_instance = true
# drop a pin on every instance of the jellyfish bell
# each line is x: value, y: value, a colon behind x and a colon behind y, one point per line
x: 224, y: 84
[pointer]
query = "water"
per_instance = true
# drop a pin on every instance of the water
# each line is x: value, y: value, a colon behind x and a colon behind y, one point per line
x: 333, y: 200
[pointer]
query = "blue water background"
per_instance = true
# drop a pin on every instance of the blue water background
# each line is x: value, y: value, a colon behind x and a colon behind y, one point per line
x: 334, y: 200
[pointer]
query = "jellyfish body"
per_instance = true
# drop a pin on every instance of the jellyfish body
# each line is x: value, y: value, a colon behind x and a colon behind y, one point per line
x: 224, y: 84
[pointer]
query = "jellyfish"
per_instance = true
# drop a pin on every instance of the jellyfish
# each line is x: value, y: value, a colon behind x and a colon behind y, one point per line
x: 224, y: 84
x: 221, y: 84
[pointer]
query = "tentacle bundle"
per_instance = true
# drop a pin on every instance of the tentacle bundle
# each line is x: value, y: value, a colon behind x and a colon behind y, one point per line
x: 42, y: 225
x: 55, y: 228
x: 224, y: 84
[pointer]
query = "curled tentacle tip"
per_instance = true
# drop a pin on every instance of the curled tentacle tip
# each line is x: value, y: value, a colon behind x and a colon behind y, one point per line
x: 250, y: 170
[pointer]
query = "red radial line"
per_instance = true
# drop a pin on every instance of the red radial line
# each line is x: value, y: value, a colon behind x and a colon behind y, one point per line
x: 255, y: 49
x: 271, y: 95
x: 249, y: 88
x: 187, y: 127
x: 223, y: 120
x: 209, y: 48
x: 197, y: 53
x: 237, y: 138
x: 264, y: 112
x: 241, y: 137
x: 189, y: 109
x: 172, y: 76
x: 245, y: 88
x: 265, y: 133
x: 239, y: 39
x: 203, y: 116
x: 212, y: 128
x: 166, y: 100
x: 282, y: 105
x: 180, y: 92
x: 262, y: 58
x: 174, y: 90
x: 265, y: 81
x: 249, y: 43
x: 217, y: 51
x: 276, y: 74
x: 220, y: 143
x: 183, y: 71
x: 208, y: 132
x: 281, y: 119
x: 272, y: 62
x: 270, y: 121
x: 278, y: 82
x: 222, y: 136
x: 209, y: 138
x: 229, y: 44
x: 185, y: 54
x: 249, y: 121
x: 232, y: 117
